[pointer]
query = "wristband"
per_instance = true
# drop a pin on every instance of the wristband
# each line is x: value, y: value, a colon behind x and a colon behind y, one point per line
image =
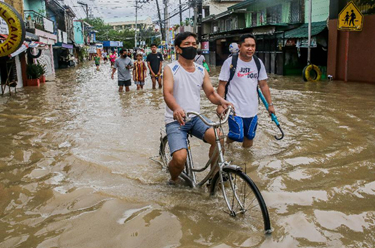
x: 270, y: 104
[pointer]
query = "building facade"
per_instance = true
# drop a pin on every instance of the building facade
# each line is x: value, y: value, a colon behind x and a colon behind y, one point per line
x: 280, y: 29
x: 351, y: 54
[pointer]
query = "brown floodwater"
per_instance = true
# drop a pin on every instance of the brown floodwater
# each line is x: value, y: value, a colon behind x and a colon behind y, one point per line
x: 75, y: 168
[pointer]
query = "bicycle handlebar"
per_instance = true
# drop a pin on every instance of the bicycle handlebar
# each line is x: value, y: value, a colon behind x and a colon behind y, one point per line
x: 213, y: 124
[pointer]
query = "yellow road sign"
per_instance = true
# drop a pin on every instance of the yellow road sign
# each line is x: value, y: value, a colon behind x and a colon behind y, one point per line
x: 350, y: 18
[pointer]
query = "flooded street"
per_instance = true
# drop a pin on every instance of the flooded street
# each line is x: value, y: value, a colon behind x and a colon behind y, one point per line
x: 75, y: 168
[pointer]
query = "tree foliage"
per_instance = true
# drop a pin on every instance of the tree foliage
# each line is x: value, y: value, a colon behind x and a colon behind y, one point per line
x: 106, y: 32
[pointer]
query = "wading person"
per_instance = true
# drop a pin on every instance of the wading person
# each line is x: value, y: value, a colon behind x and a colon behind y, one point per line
x: 112, y: 59
x: 139, y: 71
x: 123, y: 65
x: 247, y: 72
x: 199, y: 58
x: 97, y: 61
x: 183, y: 81
x: 154, y: 62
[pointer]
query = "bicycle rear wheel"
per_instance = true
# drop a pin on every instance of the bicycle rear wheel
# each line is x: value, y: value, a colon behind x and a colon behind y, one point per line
x: 243, y: 197
x: 164, y: 152
x: 166, y: 157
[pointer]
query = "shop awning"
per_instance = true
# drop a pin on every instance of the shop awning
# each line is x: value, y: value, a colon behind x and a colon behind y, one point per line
x: 21, y: 49
x: 31, y: 37
x: 302, y: 31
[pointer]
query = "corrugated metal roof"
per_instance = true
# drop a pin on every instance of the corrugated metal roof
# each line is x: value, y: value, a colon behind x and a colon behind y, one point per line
x: 302, y: 31
x: 243, y: 4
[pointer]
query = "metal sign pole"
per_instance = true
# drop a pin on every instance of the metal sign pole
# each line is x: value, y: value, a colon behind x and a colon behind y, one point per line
x: 346, y: 56
x: 309, y: 38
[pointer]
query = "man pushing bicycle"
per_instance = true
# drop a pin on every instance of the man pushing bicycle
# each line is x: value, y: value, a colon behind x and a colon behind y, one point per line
x: 183, y: 80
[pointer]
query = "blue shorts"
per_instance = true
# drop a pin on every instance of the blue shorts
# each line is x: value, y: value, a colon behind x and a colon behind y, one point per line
x: 242, y: 127
x: 177, y: 134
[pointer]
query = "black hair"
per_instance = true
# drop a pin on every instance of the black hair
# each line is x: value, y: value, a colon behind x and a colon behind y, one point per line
x: 153, y: 44
x: 199, y: 51
x: 121, y: 51
x: 246, y: 36
x: 182, y: 36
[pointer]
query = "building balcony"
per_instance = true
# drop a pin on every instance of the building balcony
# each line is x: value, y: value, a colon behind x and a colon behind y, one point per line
x: 34, y: 20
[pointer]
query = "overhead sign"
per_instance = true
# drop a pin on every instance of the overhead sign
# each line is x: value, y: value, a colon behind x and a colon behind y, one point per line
x: 16, y: 29
x: 350, y: 18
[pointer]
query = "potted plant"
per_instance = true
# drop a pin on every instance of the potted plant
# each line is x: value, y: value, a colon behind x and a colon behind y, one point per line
x: 33, y: 75
x: 42, y: 71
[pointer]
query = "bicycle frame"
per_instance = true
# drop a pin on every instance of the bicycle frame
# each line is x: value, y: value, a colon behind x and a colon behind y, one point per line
x: 189, y: 172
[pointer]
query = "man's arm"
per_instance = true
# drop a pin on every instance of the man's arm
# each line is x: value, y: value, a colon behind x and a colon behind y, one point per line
x: 113, y: 72
x: 149, y: 67
x: 267, y: 94
x: 214, y: 97
x: 178, y: 112
x: 160, y: 67
x: 221, y: 92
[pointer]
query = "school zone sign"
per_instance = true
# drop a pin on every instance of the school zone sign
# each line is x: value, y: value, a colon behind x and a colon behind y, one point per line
x: 16, y: 29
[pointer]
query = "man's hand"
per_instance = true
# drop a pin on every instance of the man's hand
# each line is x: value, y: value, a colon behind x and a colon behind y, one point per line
x: 271, y: 110
x: 219, y: 110
x: 112, y: 77
x: 223, y: 106
x: 179, y: 115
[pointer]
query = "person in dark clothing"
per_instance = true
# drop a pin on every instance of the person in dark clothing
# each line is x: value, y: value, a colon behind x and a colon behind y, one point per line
x: 154, y: 62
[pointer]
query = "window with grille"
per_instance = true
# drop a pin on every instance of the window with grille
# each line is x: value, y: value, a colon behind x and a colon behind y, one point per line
x: 274, y: 14
x: 295, y: 12
x: 254, y: 19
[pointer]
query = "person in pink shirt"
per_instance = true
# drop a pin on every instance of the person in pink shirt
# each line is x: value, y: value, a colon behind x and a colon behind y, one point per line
x: 112, y: 58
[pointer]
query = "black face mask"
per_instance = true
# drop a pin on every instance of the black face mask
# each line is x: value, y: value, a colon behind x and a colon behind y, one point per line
x: 188, y: 52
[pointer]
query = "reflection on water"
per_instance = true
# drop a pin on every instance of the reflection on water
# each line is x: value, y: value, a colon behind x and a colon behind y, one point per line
x: 75, y: 168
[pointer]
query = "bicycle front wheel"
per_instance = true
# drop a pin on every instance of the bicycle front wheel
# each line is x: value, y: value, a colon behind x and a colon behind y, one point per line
x: 241, y: 198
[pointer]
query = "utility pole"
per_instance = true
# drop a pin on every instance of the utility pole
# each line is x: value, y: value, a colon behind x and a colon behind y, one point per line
x: 180, y: 7
x: 309, y: 34
x: 194, y: 2
x: 161, y: 24
x: 166, y: 21
x: 136, y: 19
x: 87, y: 8
x: 199, y: 19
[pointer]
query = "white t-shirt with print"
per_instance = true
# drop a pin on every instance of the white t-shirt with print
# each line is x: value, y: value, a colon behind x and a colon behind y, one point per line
x: 242, y: 90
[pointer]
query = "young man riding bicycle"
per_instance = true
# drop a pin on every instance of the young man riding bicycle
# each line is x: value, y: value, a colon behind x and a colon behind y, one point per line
x: 183, y: 80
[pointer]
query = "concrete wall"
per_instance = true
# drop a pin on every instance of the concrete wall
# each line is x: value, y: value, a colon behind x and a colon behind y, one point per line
x: 320, y: 10
x: 17, y: 4
x: 361, y: 52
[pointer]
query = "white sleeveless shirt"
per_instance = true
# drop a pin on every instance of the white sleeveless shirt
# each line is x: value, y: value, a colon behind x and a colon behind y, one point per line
x: 186, y: 89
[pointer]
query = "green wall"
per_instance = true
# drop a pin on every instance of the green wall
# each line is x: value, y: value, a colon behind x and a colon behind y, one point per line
x: 36, y: 5
x: 320, y: 10
x: 260, y: 7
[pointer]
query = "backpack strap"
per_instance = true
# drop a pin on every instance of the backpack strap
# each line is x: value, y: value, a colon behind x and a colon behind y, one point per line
x: 232, y: 70
x: 257, y: 63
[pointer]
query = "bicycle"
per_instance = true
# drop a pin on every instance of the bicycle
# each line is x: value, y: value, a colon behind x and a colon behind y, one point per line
x: 235, y: 185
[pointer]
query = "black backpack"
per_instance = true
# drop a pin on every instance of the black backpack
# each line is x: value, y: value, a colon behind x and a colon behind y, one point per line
x: 233, y: 68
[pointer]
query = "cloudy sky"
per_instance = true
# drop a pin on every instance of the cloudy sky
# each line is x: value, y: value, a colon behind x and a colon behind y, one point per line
x: 117, y: 9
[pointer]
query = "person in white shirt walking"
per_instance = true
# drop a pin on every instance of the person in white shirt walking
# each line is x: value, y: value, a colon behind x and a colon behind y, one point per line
x: 239, y: 78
